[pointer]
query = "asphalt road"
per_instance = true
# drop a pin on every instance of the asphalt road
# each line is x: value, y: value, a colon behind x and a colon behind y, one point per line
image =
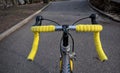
x: 15, y: 48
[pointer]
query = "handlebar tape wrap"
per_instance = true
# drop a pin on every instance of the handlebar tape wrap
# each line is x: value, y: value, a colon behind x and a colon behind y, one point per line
x: 80, y: 28
x: 49, y: 28
x: 100, y: 51
x: 34, y: 47
x: 36, y: 30
x: 88, y: 28
x: 96, y: 29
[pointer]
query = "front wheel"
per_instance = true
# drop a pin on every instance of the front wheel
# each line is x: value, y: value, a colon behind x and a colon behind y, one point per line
x: 66, y: 65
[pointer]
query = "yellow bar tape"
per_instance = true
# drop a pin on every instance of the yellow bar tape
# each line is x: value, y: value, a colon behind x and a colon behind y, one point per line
x: 47, y: 28
x: 34, y: 47
x: 83, y: 28
x: 36, y: 30
x: 88, y: 28
x: 96, y: 29
x: 101, y: 54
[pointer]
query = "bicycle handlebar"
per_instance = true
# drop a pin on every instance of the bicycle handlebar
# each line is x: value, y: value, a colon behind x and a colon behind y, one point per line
x: 49, y: 28
x: 79, y: 28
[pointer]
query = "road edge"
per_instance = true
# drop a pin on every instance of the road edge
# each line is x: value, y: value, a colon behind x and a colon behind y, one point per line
x: 103, y: 13
x: 21, y: 23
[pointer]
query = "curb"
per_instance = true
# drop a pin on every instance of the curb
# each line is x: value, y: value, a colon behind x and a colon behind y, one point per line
x: 21, y: 23
x: 103, y: 13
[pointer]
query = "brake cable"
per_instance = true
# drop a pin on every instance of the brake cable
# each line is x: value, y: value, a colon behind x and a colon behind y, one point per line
x: 79, y: 20
x: 52, y: 21
x: 71, y: 39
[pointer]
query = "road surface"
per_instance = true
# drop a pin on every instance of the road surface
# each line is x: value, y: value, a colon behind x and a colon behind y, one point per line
x: 15, y: 48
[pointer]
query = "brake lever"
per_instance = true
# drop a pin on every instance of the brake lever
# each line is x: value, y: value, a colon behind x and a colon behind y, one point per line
x: 93, y: 18
x: 38, y: 21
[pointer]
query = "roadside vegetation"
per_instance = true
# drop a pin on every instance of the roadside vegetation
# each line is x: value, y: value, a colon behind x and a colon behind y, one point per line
x: 10, y: 3
x: 108, y: 6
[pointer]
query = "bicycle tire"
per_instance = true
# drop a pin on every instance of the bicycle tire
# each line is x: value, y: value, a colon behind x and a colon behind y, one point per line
x: 66, y: 64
